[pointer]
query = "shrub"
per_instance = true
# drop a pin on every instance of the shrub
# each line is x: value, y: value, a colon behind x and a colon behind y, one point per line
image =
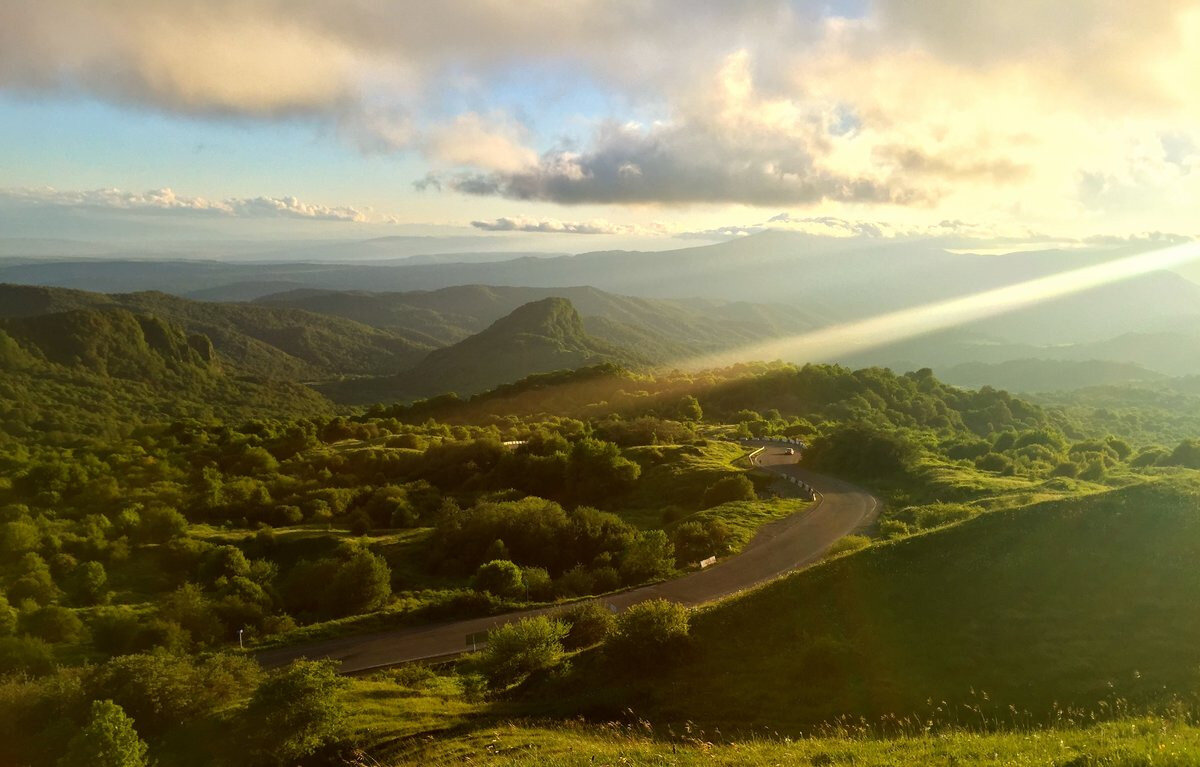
x: 650, y: 633
x: 589, y: 623
x: 516, y: 650
x: 107, y: 740
x: 296, y: 711
x: 538, y: 585
x: 88, y: 584
x: 25, y: 655
x: 8, y: 617
x: 737, y: 487
x: 500, y: 578
x: 160, y: 690
x: 650, y: 555
x: 1186, y: 453
x: 847, y: 544
x: 53, y: 624
x: 160, y: 524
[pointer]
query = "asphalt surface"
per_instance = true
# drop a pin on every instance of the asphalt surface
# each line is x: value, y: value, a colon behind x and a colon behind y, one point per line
x: 777, y: 548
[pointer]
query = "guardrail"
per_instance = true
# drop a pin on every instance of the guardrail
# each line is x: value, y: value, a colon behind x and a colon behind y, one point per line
x: 809, y: 493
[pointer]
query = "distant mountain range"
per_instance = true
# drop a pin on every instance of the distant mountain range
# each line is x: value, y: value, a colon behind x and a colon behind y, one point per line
x: 322, y: 321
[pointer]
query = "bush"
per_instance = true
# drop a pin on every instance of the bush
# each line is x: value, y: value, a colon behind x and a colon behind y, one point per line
x: 107, y: 740
x: 88, y: 584
x: 500, y: 578
x: 160, y: 690
x: 516, y: 650
x: 651, y: 555
x: 25, y: 655
x: 650, y: 634
x: 296, y: 711
x: 737, y: 487
x: 53, y: 624
x: 847, y: 544
x: 589, y: 623
x: 8, y: 617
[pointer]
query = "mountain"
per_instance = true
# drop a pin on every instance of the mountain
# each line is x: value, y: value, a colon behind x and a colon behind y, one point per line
x: 102, y: 372
x: 820, y: 281
x: 1040, y: 375
x: 265, y: 341
x: 539, y: 337
x: 663, y: 329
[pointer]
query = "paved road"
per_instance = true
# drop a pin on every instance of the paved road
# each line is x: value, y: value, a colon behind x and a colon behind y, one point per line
x: 779, y: 547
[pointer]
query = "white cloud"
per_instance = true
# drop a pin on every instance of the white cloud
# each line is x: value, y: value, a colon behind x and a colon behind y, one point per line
x: 167, y: 201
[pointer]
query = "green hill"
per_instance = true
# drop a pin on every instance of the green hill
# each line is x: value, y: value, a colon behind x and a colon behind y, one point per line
x: 1067, y: 603
x: 540, y: 337
x: 274, y: 342
x: 102, y: 372
x: 663, y: 329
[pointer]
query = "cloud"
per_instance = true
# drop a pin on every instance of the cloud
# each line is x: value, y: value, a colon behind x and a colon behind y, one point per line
x: 554, y: 226
x: 727, y: 143
x: 1053, y: 112
x: 167, y: 201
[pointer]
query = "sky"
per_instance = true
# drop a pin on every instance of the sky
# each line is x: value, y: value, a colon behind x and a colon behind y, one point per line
x: 572, y: 125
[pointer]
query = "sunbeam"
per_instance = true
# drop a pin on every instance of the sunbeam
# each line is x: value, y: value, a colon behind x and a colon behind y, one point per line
x: 899, y: 325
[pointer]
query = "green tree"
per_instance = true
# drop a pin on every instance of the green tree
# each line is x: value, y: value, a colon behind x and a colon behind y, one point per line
x: 89, y: 584
x: 363, y: 583
x: 107, y: 740
x: 516, y: 650
x: 296, y: 711
x: 8, y: 617
x: 651, y: 555
x: 689, y: 409
x: 501, y: 578
x: 53, y: 624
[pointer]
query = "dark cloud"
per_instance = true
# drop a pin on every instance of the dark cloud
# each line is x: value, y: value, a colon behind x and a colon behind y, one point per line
x: 687, y: 163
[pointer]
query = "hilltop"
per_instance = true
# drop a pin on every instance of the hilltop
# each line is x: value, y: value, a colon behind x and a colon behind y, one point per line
x: 538, y: 337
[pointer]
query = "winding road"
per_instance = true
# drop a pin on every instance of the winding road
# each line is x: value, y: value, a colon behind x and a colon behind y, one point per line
x: 777, y: 548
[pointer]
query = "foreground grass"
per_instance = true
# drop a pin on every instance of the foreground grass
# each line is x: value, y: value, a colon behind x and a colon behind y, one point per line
x: 1134, y: 741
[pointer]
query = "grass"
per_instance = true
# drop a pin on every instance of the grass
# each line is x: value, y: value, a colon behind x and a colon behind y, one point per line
x: 1065, y: 602
x: 1124, y: 743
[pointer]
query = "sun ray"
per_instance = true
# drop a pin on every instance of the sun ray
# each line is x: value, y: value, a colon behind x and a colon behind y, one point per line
x: 880, y: 330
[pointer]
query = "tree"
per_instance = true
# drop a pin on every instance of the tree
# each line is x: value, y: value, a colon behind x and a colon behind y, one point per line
x: 8, y: 617
x: 501, y: 578
x: 53, y: 624
x: 650, y: 633
x: 363, y: 582
x: 651, y: 555
x: 516, y: 650
x: 89, y: 584
x: 107, y: 740
x: 296, y: 711
x: 689, y: 409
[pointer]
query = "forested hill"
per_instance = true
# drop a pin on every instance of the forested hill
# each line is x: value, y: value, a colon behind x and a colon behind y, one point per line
x: 272, y: 342
x: 665, y: 328
x: 539, y: 337
x: 102, y: 372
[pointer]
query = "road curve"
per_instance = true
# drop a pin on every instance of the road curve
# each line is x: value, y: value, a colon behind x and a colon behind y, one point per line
x: 777, y: 548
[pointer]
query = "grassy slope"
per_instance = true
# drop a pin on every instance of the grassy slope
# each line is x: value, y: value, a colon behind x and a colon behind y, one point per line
x: 1123, y: 743
x: 1070, y: 601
